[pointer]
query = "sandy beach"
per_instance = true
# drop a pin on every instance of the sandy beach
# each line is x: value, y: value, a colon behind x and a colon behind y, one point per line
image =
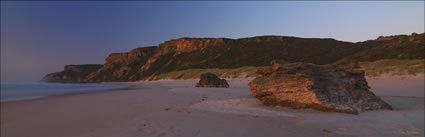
x: 170, y: 108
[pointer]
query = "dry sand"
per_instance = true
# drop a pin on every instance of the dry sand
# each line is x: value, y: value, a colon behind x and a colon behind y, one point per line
x: 176, y: 108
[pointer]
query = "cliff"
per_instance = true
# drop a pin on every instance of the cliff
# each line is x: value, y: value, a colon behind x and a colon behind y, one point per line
x: 72, y: 73
x: 199, y: 53
x: 189, y: 53
x: 121, y: 66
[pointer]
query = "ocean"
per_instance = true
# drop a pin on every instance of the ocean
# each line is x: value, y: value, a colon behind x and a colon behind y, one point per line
x: 11, y: 91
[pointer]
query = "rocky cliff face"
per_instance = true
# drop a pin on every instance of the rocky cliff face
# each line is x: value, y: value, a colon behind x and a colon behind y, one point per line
x: 190, y: 53
x: 190, y: 44
x: 172, y: 48
x: 72, y: 73
x: 333, y: 87
x: 122, y: 66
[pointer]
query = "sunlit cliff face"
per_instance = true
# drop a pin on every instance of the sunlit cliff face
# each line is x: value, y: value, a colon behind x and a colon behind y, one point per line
x: 190, y: 44
x: 183, y: 45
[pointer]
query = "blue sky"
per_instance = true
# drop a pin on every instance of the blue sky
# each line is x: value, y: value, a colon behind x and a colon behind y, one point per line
x: 41, y: 37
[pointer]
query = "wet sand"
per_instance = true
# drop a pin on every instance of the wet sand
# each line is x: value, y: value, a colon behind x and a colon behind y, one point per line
x: 170, y: 108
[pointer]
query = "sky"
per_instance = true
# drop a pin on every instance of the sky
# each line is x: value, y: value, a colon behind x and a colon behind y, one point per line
x: 41, y: 37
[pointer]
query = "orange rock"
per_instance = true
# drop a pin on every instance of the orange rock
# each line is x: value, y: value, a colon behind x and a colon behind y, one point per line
x: 338, y: 87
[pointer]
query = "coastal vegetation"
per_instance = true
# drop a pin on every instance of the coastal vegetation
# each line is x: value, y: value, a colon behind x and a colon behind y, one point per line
x: 187, y: 58
x: 372, y: 69
x: 393, y: 67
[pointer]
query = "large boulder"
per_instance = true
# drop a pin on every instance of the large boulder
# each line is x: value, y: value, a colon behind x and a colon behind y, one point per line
x: 209, y: 80
x: 338, y: 87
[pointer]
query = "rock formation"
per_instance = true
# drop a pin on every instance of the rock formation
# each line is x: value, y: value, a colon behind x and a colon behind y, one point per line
x: 165, y: 56
x: 122, y: 66
x: 209, y: 80
x: 199, y: 53
x: 338, y: 87
x: 72, y: 73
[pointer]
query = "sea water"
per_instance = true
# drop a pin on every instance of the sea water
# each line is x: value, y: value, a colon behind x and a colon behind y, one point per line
x: 30, y: 90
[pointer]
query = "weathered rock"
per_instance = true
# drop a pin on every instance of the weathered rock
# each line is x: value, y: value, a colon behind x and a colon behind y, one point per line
x: 178, y: 46
x: 209, y: 80
x: 338, y: 87
x: 122, y: 66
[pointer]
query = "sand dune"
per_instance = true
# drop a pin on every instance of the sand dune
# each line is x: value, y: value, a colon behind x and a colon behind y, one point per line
x: 170, y: 108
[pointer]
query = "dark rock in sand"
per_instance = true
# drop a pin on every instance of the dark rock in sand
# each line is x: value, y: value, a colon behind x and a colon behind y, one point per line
x: 209, y: 80
x: 338, y: 87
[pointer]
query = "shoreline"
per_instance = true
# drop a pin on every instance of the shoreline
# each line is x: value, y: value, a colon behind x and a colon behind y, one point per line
x: 134, y: 84
x: 71, y: 93
x: 66, y: 94
x: 177, y: 108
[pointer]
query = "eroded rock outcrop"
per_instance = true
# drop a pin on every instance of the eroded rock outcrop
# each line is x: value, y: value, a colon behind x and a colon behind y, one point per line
x: 122, y: 66
x: 169, y: 49
x: 209, y: 80
x: 338, y: 87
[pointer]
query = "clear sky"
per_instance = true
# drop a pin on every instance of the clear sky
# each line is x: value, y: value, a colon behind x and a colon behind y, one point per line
x: 41, y: 37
